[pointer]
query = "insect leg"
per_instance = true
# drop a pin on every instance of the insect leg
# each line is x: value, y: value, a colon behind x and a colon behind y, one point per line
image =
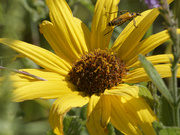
x: 134, y: 23
x: 111, y: 30
x: 108, y: 32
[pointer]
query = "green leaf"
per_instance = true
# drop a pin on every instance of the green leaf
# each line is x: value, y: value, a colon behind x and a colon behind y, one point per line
x: 7, y: 108
x: 145, y: 94
x: 111, y: 130
x: 155, y: 78
x: 72, y: 125
x: 50, y: 132
x: 163, y: 130
x: 83, y: 113
x: 165, y: 112
x: 118, y: 132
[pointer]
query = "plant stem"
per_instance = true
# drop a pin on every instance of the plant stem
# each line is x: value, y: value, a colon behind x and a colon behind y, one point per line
x: 24, y: 73
x: 172, y: 30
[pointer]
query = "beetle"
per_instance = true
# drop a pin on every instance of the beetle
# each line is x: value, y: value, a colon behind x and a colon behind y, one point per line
x: 122, y: 19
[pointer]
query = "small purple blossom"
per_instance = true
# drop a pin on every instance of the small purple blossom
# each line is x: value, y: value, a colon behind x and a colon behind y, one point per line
x: 152, y: 3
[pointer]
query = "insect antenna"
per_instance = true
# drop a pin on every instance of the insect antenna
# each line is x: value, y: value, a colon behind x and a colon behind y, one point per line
x: 118, y: 12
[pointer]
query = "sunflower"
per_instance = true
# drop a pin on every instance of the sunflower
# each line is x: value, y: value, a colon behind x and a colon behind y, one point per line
x: 83, y: 71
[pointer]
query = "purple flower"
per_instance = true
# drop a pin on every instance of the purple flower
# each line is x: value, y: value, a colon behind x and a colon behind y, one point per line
x: 152, y: 3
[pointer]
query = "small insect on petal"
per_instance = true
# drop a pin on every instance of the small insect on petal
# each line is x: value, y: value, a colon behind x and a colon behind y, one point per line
x: 122, y: 19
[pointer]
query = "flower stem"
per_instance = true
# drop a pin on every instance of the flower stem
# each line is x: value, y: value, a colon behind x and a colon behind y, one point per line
x: 24, y: 73
x: 171, y: 25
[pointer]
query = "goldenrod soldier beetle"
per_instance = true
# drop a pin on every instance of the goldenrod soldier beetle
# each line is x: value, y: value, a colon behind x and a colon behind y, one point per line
x: 122, y: 19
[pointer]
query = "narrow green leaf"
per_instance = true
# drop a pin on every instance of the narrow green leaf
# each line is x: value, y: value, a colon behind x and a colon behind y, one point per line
x: 163, y: 130
x: 155, y: 78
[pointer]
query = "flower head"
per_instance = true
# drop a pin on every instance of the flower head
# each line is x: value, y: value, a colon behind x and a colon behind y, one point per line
x: 83, y: 71
x: 97, y: 71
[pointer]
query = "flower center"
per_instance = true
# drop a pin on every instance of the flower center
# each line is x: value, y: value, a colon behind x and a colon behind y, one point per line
x: 96, y: 71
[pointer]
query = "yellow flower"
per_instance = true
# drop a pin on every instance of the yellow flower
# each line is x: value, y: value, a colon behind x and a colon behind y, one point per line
x: 81, y: 71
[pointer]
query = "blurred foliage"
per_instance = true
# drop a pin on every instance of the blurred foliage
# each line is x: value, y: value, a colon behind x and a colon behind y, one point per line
x: 165, y: 130
x: 8, y: 121
x: 20, y: 19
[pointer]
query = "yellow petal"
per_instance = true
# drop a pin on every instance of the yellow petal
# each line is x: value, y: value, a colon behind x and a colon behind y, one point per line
x: 94, y: 114
x: 123, y: 90
x: 20, y: 80
x: 147, y: 45
x: 69, y: 31
x: 132, y: 112
x: 54, y: 39
x: 43, y: 90
x: 61, y: 106
x: 169, y: 1
x: 40, y: 56
x: 101, y: 18
x: 139, y: 74
x: 130, y: 36
x: 142, y: 114
x: 121, y: 118
x: 85, y: 32
x: 155, y: 59
x: 106, y: 110
x: 92, y: 103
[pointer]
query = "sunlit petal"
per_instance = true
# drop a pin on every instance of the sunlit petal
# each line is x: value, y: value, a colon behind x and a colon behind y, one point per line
x: 142, y: 114
x: 130, y: 36
x: 52, y: 36
x: 139, y: 74
x: 67, y: 27
x: 102, y: 15
x: 43, y: 90
x: 121, y: 118
x: 20, y: 80
x: 94, y: 113
x: 106, y: 110
x: 40, y: 56
x: 147, y: 45
x: 62, y: 105
x: 123, y: 90
x: 85, y: 32
x: 155, y: 59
